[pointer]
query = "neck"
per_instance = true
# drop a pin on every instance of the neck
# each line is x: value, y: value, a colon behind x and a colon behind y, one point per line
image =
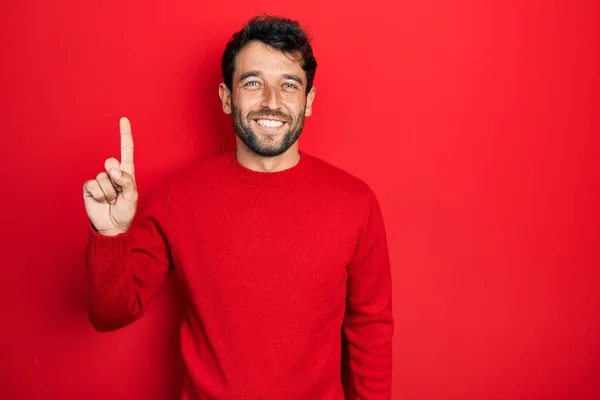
x: 255, y: 162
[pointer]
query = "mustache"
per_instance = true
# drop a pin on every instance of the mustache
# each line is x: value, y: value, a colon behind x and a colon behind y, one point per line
x: 270, y: 113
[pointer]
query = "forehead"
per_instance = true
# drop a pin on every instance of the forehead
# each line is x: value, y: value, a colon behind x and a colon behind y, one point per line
x: 257, y: 56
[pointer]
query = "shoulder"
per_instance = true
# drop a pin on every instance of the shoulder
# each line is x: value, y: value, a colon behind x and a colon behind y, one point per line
x: 346, y: 191
x: 339, y: 180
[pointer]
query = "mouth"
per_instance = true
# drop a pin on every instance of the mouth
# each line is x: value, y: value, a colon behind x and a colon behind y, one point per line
x: 270, y: 124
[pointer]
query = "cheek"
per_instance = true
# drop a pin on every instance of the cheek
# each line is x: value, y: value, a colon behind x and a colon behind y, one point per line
x: 247, y: 101
x: 295, y: 107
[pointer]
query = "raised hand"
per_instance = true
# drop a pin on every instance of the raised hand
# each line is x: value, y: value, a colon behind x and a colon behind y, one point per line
x: 111, y: 198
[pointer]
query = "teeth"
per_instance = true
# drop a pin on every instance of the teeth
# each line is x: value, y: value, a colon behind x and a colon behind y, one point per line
x: 268, y: 123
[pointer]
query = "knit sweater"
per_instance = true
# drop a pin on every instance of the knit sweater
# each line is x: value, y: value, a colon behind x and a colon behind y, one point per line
x: 283, y: 274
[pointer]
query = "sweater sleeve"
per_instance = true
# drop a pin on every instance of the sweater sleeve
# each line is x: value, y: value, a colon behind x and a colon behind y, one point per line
x: 369, y: 323
x: 126, y: 270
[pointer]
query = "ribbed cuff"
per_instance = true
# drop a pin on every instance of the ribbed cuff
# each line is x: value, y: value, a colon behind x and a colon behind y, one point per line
x: 106, y: 248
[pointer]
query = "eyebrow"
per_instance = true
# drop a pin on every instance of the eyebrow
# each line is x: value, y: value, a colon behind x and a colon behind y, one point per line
x: 293, y: 78
x: 258, y: 74
x: 250, y: 74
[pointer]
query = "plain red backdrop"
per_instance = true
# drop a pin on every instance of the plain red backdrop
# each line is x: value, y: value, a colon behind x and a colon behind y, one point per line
x: 476, y: 123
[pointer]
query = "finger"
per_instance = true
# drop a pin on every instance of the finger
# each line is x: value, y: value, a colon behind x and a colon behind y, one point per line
x: 126, y: 184
x: 111, y: 163
x: 92, y: 189
x: 126, y: 146
x: 107, y: 187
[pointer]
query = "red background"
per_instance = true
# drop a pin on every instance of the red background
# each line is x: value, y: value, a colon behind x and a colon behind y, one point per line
x: 475, y: 122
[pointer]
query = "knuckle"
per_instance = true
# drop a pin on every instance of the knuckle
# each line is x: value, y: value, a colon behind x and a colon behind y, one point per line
x: 98, y: 195
x: 101, y: 176
x: 109, y: 191
x: 91, y: 186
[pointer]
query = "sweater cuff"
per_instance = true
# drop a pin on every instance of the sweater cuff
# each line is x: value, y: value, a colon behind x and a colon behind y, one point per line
x: 106, y: 248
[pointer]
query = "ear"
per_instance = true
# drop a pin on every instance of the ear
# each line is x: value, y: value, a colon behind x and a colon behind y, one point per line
x: 225, y: 95
x: 309, y: 101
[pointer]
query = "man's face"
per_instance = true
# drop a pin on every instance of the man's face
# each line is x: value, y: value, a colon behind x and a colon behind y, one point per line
x: 268, y: 100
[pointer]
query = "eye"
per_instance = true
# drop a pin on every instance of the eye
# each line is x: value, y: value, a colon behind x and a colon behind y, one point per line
x: 290, y: 86
x: 252, y: 83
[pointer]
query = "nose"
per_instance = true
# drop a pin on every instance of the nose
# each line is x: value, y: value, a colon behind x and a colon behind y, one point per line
x: 271, y: 98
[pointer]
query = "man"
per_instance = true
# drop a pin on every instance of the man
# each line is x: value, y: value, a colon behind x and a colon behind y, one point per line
x: 282, y: 256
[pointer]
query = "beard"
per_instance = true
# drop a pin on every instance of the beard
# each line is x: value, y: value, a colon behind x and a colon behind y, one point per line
x: 264, y: 145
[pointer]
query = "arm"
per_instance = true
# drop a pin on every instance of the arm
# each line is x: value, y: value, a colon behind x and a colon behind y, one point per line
x: 369, y: 324
x: 126, y: 270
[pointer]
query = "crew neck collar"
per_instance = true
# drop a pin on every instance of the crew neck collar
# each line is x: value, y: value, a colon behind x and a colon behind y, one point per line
x: 284, y: 177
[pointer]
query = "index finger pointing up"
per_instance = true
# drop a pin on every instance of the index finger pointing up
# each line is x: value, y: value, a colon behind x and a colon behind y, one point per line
x: 126, y: 146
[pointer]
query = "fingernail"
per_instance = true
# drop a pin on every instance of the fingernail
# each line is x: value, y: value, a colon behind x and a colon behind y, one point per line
x: 115, y: 173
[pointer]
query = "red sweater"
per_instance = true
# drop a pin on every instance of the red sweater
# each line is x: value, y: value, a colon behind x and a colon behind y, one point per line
x: 279, y: 270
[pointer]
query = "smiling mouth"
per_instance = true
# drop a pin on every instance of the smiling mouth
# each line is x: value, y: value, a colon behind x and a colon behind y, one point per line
x: 269, y: 123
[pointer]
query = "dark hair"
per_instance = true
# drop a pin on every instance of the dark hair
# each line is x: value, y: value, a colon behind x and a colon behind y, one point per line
x: 280, y: 33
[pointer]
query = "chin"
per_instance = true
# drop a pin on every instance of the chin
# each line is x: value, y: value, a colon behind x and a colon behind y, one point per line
x: 268, y: 152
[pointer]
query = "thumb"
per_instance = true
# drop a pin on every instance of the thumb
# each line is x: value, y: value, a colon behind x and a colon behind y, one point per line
x: 124, y: 180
